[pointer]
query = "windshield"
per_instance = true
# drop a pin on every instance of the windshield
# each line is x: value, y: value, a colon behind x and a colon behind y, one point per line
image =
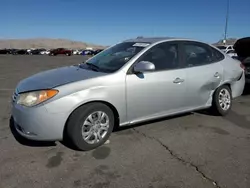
x: 114, y: 58
x: 221, y: 47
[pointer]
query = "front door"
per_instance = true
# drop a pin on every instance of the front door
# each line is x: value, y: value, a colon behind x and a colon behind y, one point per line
x: 157, y: 93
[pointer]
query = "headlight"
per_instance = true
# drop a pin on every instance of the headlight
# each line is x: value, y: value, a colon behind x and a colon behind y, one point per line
x: 35, y: 97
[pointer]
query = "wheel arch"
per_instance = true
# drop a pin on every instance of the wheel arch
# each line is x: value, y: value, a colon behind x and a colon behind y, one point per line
x: 223, y: 84
x: 227, y: 84
x: 215, y: 107
x: 111, y: 106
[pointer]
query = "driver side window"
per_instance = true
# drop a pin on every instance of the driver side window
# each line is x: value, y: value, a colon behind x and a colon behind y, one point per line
x: 164, y: 56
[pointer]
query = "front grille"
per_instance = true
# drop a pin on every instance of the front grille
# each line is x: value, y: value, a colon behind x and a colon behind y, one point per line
x: 247, y: 76
x: 247, y: 72
x: 247, y: 69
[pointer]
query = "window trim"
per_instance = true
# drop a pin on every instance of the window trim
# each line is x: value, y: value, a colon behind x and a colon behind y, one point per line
x: 177, y: 43
x: 200, y: 44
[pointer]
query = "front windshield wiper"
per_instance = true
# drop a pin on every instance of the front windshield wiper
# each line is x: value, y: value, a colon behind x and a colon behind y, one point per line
x: 93, y: 67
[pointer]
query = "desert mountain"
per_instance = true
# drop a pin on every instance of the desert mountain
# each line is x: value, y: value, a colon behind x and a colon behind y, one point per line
x: 229, y: 41
x: 45, y: 43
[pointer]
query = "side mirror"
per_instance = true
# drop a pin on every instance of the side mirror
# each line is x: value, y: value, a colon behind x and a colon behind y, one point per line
x: 144, y: 66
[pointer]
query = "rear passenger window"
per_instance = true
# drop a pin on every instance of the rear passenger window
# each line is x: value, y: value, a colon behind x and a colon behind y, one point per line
x: 197, y: 54
x: 217, y: 55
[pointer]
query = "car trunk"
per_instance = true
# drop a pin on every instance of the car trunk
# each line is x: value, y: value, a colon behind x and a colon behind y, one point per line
x: 242, y: 48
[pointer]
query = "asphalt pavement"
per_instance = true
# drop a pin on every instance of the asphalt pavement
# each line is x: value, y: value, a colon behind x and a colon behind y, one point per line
x: 194, y: 150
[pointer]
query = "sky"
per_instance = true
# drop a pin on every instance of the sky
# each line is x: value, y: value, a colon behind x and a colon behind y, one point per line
x: 107, y: 22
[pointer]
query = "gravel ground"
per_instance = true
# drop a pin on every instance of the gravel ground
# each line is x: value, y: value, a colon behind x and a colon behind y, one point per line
x: 195, y: 150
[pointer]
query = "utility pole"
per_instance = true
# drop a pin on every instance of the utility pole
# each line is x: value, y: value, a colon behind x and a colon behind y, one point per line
x: 226, y: 25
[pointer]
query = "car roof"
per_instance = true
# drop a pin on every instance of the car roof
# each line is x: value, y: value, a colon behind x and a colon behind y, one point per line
x: 153, y: 40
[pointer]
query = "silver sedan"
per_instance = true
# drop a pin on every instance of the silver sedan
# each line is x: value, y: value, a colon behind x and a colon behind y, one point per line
x: 134, y: 81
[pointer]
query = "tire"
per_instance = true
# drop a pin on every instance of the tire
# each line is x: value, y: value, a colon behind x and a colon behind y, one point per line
x: 79, y: 117
x: 222, y: 109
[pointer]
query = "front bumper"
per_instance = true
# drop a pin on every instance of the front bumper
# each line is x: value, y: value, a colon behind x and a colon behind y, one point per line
x: 36, y: 123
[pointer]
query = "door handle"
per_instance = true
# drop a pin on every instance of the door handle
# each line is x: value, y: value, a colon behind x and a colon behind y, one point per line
x: 178, y: 81
x: 217, y: 75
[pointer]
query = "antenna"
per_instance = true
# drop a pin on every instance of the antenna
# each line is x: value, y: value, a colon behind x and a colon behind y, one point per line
x: 226, y: 24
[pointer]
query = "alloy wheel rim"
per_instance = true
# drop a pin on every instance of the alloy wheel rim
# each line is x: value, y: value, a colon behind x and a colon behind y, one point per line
x: 224, y: 99
x: 95, y: 127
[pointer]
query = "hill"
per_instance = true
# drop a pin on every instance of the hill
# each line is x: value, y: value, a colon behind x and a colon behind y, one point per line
x: 45, y: 43
x: 230, y: 41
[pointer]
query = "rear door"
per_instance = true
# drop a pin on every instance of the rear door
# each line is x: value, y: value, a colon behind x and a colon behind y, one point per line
x: 203, y: 70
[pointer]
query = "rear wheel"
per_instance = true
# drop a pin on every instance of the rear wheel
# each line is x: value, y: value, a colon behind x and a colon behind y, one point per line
x: 222, y: 101
x: 90, y: 126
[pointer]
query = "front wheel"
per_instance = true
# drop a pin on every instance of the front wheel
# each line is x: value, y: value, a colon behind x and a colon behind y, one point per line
x: 222, y: 101
x: 90, y: 126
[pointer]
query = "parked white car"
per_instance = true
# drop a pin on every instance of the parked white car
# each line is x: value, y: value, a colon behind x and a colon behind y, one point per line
x: 231, y: 53
x: 31, y: 49
x: 225, y: 48
x: 134, y: 81
x: 46, y: 52
x: 77, y: 52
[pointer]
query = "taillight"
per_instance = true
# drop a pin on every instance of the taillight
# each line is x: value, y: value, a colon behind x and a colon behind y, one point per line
x: 242, y: 66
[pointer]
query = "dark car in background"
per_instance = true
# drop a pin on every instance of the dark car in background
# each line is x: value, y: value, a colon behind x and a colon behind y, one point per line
x: 98, y: 51
x: 5, y: 51
x: 242, y: 48
x: 20, y: 52
x: 88, y: 52
x: 60, y: 51
x: 91, y: 52
x: 37, y: 51
x: 13, y: 51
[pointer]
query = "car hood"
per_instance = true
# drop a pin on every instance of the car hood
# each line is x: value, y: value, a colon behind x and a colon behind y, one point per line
x: 56, y: 77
